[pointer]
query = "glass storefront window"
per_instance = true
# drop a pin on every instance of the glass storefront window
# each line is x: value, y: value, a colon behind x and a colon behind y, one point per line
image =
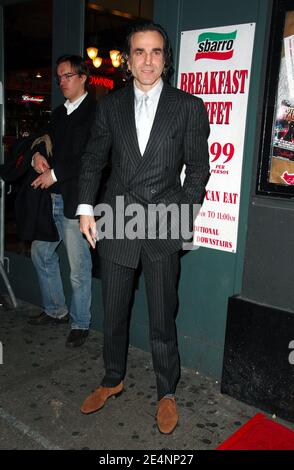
x: 277, y: 158
x: 106, y: 25
x: 27, y: 84
x: 28, y: 71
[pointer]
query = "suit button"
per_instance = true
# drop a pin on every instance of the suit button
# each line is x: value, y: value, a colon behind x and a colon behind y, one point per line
x: 153, y: 191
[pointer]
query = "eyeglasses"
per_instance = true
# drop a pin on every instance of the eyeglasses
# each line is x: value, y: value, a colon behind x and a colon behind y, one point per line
x: 66, y: 76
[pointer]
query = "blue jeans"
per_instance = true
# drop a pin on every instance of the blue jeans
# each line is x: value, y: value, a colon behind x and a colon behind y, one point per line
x: 46, y: 262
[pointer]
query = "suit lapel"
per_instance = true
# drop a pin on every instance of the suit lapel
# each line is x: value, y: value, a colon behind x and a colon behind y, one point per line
x: 127, y: 124
x: 166, y: 112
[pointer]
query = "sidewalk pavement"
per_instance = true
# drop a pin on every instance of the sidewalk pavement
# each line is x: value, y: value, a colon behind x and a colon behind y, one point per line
x: 43, y: 385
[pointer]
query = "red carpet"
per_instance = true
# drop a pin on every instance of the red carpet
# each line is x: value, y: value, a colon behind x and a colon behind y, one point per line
x: 260, y: 433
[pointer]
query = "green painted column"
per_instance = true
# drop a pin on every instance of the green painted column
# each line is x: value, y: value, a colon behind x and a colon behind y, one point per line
x: 68, y: 36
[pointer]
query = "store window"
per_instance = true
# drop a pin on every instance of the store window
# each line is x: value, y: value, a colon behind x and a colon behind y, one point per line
x: 106, y: 26
x: 27, y: 84
x: 28, y: 71
x: 276, y: 176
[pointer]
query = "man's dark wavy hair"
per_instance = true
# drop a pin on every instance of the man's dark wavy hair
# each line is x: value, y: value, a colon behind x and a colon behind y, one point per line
x: 78, y: 64
x: 167, y: 49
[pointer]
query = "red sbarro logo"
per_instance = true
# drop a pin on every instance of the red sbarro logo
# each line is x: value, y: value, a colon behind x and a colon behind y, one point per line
x: 217, y: 46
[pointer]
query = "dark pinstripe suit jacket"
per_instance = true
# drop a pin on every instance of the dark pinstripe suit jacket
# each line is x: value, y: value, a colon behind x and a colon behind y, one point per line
x: 178, y: 136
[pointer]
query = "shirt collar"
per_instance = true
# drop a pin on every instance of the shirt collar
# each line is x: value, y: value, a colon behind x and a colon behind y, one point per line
x: 75, y: 104
x: 153, y: 93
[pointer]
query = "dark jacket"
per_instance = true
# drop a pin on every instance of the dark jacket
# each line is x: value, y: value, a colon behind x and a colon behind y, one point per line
x: 33, y: 207
x: 178, y: 137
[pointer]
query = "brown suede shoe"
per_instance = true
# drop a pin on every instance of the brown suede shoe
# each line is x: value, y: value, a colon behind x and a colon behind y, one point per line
x: 167, y: 415
x: 98, y: 398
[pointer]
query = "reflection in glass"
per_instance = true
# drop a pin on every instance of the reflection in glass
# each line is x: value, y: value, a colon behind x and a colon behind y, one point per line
x: 281, y: 169
x: 27, y: 82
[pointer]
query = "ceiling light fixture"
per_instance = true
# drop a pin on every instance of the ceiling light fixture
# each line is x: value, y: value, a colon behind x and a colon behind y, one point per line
x: 97, y: 62
x: 92, y: 52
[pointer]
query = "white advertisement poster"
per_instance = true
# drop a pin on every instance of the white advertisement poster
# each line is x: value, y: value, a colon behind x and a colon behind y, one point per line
x: 215, y: 65
x: 289, y: 56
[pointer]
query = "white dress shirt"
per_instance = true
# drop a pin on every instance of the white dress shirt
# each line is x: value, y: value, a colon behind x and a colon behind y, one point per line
x: 153, y: 98
x: 145, y: 112
x: 73, y: 105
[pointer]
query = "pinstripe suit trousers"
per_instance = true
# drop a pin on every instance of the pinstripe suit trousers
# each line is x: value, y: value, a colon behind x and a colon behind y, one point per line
x: 161, y: 279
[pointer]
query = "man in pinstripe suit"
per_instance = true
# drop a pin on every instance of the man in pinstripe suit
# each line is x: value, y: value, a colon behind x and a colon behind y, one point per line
x: 147, y: 156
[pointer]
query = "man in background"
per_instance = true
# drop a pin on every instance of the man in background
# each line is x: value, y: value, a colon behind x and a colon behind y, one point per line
x: 69, y: 131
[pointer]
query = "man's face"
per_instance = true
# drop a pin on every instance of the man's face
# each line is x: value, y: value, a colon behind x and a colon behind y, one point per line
x: 146, y: 60
x: 72, y: 86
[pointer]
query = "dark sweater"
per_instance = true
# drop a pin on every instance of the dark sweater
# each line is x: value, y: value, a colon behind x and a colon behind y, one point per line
x: 70, y: 134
